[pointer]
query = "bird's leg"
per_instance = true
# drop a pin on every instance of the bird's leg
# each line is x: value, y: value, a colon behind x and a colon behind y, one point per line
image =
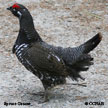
x: 47, y: 94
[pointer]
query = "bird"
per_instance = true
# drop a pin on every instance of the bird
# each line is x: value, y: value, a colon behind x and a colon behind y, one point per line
x: 51, y: 64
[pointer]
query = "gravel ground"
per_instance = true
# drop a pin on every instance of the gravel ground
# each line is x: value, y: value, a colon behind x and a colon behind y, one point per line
x: 61, y: 23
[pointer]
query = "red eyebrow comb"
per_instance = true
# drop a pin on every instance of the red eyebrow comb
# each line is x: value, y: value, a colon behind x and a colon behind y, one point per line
x: 15, y: 6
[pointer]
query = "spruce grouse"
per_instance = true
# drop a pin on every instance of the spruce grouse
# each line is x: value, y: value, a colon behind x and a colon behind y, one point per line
x: 52, y: 65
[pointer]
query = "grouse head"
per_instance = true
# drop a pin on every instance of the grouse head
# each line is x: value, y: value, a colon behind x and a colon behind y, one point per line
x: 19, y: 10
x: 27, y: 28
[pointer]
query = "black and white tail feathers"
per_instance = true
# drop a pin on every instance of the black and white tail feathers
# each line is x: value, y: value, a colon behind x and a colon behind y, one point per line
x: 84, y: 59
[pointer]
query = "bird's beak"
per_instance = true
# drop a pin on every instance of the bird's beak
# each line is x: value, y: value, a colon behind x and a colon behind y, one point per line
x: 9, y: 8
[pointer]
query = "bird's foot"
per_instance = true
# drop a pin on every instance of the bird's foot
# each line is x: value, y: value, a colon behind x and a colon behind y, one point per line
x: 38, y: 93
x: 81, y: 84
x: 43, y: 100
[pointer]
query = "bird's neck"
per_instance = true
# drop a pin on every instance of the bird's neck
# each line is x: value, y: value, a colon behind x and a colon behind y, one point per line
x: 27, y: 30
x: 26, y: 22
